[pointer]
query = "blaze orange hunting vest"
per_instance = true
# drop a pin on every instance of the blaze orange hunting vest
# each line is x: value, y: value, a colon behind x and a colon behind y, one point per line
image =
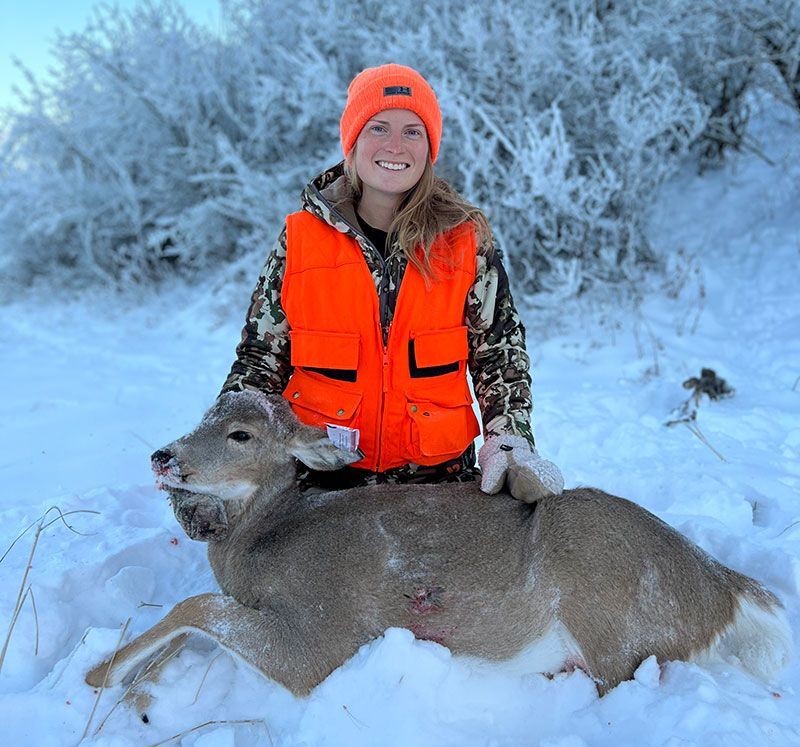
x: 409, y: 399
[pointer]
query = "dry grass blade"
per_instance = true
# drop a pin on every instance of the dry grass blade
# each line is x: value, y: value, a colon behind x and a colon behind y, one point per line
x: 62, y: 518
x: 105, y: 677
x: 357, y: 721
x: 40, y: 527
x: 35, y: 619
x: 157, y: 663
x: 20, y: 597
x: 786, y: 529
x: 19, y: 537
x: 203, y: 681
x: 17, y: 610
x: 684, y: 413
x: 252, y: 722
x: 693, y: 428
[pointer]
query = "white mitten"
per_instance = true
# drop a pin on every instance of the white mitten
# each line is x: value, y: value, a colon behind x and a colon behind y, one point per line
x: 510, y: 460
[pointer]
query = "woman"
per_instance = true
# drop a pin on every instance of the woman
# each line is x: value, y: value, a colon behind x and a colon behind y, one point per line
x: 377, y: 298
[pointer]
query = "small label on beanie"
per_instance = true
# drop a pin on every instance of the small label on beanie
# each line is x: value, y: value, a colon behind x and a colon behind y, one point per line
x: 397, y: 91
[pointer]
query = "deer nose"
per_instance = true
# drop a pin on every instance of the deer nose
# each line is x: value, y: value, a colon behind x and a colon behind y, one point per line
x: 160, y: 458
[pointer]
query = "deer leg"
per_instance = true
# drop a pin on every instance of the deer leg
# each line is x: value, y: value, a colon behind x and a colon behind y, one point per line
x: 139, y: 698
x: 260, y: 638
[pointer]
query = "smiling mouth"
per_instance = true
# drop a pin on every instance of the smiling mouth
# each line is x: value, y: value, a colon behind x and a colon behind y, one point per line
x: 392, y: 166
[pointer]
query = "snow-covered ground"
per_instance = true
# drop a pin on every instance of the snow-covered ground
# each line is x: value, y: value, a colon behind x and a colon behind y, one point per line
x: 93, y: 385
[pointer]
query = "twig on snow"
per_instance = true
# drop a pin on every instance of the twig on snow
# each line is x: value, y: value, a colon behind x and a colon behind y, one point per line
x: 694, y: 428
x: 23, y: 592
x: 61, y: 517
x: 157, y: 662
x: 252, y: 722
x: 713, y: 387
x: 105, y: 677
x: 786, y: 529
x: 203, y: 681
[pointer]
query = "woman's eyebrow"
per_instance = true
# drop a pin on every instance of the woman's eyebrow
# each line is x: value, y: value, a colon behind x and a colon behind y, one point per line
x: 407, y: 124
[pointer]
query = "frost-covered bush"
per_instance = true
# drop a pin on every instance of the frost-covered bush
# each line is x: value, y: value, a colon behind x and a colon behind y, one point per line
x: 573, y: 132
x: 774, y: 27
x: 159, y: 147
x: 100, y: 160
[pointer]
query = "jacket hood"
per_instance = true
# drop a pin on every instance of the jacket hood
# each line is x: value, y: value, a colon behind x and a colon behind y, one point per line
x: 329, y: 198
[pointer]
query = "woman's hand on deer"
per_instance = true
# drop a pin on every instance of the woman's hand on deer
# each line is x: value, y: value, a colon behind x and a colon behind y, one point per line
x: 511, y: 461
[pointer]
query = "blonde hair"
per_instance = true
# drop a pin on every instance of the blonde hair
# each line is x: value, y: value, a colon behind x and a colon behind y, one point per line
x: 429, y: 209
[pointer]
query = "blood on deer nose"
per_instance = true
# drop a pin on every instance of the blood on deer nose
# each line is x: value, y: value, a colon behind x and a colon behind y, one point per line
x: 160, y: 458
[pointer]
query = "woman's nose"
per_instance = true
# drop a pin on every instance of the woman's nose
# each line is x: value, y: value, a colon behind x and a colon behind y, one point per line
x: 395, y: 143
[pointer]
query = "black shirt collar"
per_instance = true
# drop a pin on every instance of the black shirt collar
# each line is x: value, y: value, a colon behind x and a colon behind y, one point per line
x: 375, y: 235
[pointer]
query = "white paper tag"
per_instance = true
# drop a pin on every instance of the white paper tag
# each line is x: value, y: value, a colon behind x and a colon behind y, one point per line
x: 342, y: 437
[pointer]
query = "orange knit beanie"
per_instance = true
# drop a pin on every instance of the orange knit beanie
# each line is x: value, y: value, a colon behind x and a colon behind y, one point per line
x: 390, y: 87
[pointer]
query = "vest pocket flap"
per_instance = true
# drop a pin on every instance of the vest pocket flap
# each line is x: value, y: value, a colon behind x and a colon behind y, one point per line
x: 442, y: 431
x: 311, y: 349
x: 452, y: 394
x: 329, y: 401
x: 441, y: 346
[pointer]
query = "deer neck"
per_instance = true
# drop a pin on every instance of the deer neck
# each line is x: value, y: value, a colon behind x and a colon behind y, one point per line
x: 273, y: 501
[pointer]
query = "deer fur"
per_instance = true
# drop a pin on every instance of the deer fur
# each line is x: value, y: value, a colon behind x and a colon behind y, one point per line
x: 583, y: 579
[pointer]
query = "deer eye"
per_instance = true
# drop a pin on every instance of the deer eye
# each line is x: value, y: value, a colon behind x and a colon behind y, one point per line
x: 239, y: 436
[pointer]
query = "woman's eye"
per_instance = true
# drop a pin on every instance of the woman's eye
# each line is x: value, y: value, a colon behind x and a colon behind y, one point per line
x: 378, y: 129
x: 239, y: 436
x: 414, y: 133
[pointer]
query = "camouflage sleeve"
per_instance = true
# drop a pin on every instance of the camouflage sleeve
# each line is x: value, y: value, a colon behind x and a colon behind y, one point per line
x: 263, y: 356
x: 498, y: 361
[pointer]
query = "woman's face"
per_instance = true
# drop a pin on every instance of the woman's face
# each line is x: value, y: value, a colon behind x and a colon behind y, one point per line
x: 391, y: 152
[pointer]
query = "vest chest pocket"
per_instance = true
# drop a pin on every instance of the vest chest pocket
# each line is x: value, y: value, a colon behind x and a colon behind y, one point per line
x: 330, y: 354
x: 317, y: 402
x: 437, y: 352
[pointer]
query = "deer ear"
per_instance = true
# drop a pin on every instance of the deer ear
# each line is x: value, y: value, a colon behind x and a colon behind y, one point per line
x: 314, y: 449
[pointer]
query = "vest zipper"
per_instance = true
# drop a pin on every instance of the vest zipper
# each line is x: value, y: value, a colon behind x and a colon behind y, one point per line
x: 383, y: 314
x: 384, y: 389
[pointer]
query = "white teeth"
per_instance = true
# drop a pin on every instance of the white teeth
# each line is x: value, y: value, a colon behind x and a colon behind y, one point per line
x: 392, y: 166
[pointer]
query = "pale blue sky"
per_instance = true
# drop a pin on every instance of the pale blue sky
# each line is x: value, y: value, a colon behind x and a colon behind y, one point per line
x: 28, y: 26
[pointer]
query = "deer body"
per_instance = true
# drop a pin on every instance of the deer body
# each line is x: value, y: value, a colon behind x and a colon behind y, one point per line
x: 592, y: 580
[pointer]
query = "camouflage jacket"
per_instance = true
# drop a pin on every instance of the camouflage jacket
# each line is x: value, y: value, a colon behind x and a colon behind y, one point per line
x: 497, y: 360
